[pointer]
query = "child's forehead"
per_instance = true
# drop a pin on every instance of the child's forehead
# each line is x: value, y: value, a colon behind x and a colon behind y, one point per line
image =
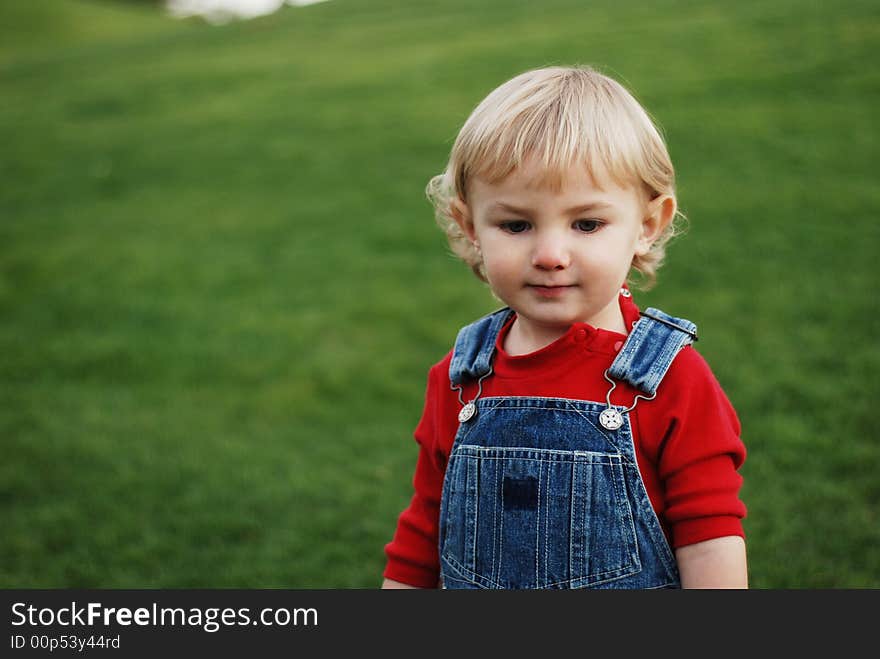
x: 533, y: 174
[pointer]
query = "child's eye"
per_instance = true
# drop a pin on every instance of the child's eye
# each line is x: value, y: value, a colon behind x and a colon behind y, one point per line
x: 587, y: 226
x: 515, y: 226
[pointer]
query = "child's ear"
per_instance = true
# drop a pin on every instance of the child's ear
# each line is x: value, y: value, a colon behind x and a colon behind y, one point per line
x: 660, y: 212
x: 461, y: 213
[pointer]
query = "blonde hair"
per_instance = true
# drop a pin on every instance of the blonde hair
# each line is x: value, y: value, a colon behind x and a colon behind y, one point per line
x: 565, y: 116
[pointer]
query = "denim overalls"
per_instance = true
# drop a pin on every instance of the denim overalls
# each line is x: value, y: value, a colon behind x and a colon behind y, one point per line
x: 546, y: 492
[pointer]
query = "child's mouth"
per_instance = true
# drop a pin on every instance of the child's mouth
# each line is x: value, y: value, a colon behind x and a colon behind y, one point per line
x: 550, y: 291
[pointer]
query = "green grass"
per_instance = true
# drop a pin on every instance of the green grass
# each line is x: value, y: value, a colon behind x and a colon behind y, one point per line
x: 221, y: 286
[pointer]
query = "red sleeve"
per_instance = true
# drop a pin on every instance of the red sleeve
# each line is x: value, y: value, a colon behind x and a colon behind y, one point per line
x: 413, y: 552
x: 700, y: 455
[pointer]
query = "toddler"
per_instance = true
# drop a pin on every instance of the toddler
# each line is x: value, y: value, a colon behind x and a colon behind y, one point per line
x: 568, y: 440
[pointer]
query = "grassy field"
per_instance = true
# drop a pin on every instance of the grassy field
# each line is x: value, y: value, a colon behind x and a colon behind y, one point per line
x: 221, y: 286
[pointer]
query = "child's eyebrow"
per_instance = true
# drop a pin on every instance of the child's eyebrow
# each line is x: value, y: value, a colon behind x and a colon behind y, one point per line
x: 596, y: 205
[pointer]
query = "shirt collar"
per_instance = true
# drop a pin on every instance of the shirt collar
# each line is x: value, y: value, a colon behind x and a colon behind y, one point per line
x: 579, y: 337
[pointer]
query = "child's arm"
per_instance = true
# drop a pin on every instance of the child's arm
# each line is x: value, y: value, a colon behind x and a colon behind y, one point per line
x: 716, y: 563
x: 390, y: 584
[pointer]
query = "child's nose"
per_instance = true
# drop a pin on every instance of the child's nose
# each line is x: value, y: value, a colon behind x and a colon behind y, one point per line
x: 551, y: 253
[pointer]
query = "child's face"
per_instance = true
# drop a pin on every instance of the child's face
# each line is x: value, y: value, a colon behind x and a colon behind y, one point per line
x: 560, y: 257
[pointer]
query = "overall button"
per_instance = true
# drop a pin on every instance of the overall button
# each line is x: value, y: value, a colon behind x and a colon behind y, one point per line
x: 467, y: 412
x: 580, y: 335
x: 611, y: 419
x: 617, y: 346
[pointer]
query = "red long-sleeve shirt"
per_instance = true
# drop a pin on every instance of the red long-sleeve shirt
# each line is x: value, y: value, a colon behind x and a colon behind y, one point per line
x: 687, y: 439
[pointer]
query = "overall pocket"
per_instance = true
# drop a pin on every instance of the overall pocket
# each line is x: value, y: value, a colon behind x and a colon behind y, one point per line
x: 536, y: 518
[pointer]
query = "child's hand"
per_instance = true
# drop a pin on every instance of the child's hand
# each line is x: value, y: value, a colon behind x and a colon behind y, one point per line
x: 389, y: 584
x: 716, y: 563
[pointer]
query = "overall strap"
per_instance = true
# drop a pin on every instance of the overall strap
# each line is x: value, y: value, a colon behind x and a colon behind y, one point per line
x: 474, y: 347
x: 650, y: 348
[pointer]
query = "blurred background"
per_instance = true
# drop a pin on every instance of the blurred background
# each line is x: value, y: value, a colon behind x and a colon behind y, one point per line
x: 221, y: 286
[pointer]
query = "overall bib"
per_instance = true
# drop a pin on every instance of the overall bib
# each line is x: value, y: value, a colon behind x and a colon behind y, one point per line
x: 546, y: 492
